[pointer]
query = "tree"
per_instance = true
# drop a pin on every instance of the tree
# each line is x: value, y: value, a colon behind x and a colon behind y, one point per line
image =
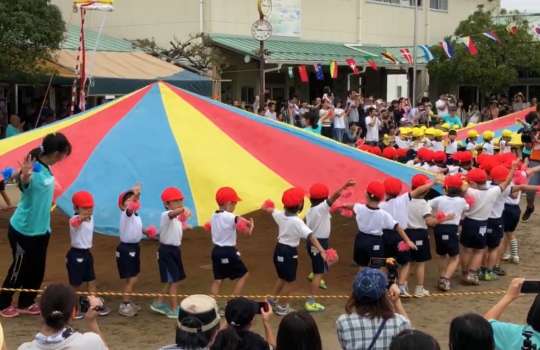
x: 30, y: 30
x: 497, y: 64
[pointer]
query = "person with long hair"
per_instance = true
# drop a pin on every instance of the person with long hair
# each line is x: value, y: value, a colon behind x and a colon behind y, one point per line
x: 298, y: 331
x: 471, y: 332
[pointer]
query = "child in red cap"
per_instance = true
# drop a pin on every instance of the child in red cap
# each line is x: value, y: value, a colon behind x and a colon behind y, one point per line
x: 171, y: 269
x: 291, y: 230
x: 318, y: 220
x: 226, y: 261
x: 79, y: 259
x: 446, y: 231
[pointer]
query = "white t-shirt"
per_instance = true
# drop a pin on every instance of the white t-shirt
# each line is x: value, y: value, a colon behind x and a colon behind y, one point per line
x: 498, y: 206
x: 401, y: 143
x: 397, y: 208
x: 417, y: 210
x: 453, y: 169
x: 223, y: 229
x: 454, y: 205
x: 452, y: 147
x: 170, y: 230
x: 270, y: 115
x: 437, y: 169
x: 318, y: 220
x: 131, y: 230
x: 483, y: 202
x: 327, y: 119
x: 372, y: 133
x: 471, y: 146
x: 442, y: 107
x: 77, y: 341
x: 373, y: 221
x: 513, y: 198
x: 437, y: 146
x: 504, y: 147
x: 291, y: 228
x: 339, y: 118
x: 81, y: 237
x: 488, y: 148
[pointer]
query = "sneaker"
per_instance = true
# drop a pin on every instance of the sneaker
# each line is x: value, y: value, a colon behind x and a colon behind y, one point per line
x: 160, y: 308
x: 173, y: 313
x: 499, y: 271
x: 514, y: 259
x: 136, y: 306
x: 506, y: 257
x: 444, y: 284
x: 282, y: 310
x: 421, y: 292
x: 313, y: 306
x: 527, y: 214
x: 482, y: 274
x: 323, y: 285
x: 127, y: 310
x: 32, y: 310
x: 488, y: 276
x: 9, y: 312
x: 471, y: 279
x: 311, y: 276
x: 404, y: 292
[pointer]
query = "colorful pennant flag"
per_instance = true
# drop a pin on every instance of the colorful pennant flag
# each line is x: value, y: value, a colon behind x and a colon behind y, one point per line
x: 302, y: 71
x: 389, y: 57
x: 291, y: 72
x: 536, y: 30
x: 352, y: 63
x: 371, y: 62
x: 428, y: 55
x: 491, y: 35
x: 333, y: 69
x: 447, y: 48
x: 471, y: 46
x: 512, y: 28
x: 406, y: 53
x: 318, y: 71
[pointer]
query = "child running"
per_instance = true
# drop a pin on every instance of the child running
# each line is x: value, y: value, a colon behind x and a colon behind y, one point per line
x: 318, y: 220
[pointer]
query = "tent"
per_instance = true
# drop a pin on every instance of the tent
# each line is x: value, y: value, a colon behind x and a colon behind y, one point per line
x: 163, y: 136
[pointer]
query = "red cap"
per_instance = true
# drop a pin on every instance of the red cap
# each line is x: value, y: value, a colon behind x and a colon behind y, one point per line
x: 488, y: 164
x: 376, y: 150
x: 465, y: 157
x: 453, y: 181
x: 83, y: 199
x: 483, y: 157
x: 477, y: 175
x: 419, y: 180
x: 293, y: 197
x: 171, y: 194
x: 499, y: 173
x: 457, y: 156
x: 226, y: 194
x: 364, y: 147
x: 376, y: 189
x: 392, y: 186
x: 390, y: 153
x: 402, y: 152
x: 439, y: 157
x: 319, y: 191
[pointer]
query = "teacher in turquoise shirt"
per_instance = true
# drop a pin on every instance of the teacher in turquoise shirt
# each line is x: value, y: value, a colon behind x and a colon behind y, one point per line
x: 30, y: 226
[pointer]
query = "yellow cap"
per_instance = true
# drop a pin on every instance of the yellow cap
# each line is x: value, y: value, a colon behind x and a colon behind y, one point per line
x: 445, y: 126
x: 516, y: 140
x: 488, y: 135
x: 507, y: 133
x: 454, y: 127
x: 438, y: 133
x: 417, y: 132
x: 472, y: 133
x: 405, y: 131
x: 471, y: 125
x: 430, y: 131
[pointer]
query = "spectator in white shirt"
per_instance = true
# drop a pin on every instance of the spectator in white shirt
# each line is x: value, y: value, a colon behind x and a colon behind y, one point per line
x: 373, y: 124
x: 339, y: 123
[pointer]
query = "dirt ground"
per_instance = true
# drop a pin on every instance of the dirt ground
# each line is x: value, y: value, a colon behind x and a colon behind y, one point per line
x: 150, y: 331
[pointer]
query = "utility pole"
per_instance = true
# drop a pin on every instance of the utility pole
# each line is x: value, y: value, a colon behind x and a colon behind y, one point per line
x: 415, y: 44
x: 261, y: 30
x: 262, y: 87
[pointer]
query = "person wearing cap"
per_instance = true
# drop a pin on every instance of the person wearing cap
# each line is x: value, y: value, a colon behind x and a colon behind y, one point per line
x: 446, y: 232
x: 451, y: 144
x: 197, y: 323
x: 240, y: 313
x: 504, y: 142
x: 171, y: 268
x: 452, y: 118
x: 471, y: 142
x: 437, y: 144
x: 474, y: 226
x: 371, y: 222
x: 226, y: 260
x: 373, y: 315
x: 488, y: 145
x: 403, y: 137
x: 318, y: 220
x: 291, y: 229
x: 439, y: 163
x: 79, y: 259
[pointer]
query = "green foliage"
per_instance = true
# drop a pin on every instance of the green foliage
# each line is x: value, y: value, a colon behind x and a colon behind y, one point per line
x: 497, y: 65
x: 29, y: 31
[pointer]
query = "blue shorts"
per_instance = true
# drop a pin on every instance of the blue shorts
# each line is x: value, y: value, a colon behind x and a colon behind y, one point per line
x: 80, y: 266
x: 171, y: 269
x: 420, y: 237
x: 391, y: 240
x: 494, y: 233
x: 128, y: 259
x: 446, y: 240
x: 286, y: 262
x: 473, y: 234
x: 511, y: 215
x: 318, y: 265
x: 226, y: 263
x: 367, y: 246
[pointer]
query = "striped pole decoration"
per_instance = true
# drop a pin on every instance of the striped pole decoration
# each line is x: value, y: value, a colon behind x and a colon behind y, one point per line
x: 79, y: 69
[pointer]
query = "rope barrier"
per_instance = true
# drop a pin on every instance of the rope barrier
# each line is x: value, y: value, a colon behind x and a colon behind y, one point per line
x: 252, y: 296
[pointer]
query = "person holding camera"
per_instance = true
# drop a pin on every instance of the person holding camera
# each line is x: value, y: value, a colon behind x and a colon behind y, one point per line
x: 239, y: 314
x: 512, y: 336
x: 58, y: 307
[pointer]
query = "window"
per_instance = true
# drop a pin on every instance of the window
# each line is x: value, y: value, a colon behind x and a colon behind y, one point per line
x: 400, y: 2
x: 248, y: 94
x: 439, y: 5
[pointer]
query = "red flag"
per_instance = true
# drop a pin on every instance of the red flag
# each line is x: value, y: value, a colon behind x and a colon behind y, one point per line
x: 352, y: 63
x: 471, y: 46
x: 302, y: 70
x: 407, y: 55
x: 372, y: 64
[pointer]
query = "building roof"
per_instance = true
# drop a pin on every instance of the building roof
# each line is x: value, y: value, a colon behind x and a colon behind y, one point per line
x: 105, y: 43
x: 295, y: 51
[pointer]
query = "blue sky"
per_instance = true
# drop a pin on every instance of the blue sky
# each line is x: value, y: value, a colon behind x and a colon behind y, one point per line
x: 531, y: 6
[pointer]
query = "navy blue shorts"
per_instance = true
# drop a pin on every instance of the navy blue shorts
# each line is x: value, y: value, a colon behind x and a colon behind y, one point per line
x: 226, y: 263
x: 286, y: 262
x: 171, y: 269
x: 80, y: 266
x: 420, y: 237
x: 318, y: 265
x: 446, y: 240
x: 391, y: 241
x: 128, y: 259
x: 473, y: 234
x: 511, y: 215
x: 494, y: 233
x: 366, y: 247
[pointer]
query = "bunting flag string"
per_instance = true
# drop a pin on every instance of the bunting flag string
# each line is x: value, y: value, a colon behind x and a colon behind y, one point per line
x: 333, y: 69
x: 491, y: 35
x: 302, y: 71
x: 447, y: 48
x: 428, y: 55
x: 371, y: 63
x: 318, y: 71
x: 470, y: 45
x: 406, y: 53
x: 389, y: 57
x: 352, y: 64
x: 291, y: 72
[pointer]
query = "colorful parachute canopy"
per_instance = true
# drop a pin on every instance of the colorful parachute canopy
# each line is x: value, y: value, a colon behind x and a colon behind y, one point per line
x: 162, y: 136
x: 497, y: 125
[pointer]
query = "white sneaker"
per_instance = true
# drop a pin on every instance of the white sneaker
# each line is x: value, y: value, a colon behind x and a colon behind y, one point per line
x: 404, y: 292
x: 514, y: 259
x: 506, y: 257
x: 282, y: 310
x: 127, y: 310
x: 421, y: 292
